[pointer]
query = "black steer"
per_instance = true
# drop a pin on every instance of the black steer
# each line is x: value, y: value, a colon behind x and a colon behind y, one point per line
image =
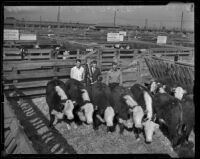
x: 169, y: 111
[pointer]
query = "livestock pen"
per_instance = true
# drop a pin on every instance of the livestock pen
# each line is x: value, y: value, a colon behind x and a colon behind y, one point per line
x: 24, y: 87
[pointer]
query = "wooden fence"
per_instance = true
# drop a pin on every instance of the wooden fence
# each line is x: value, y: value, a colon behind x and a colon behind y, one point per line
x: 122, y: 56
x: 14, y: 54
x: 173, y: 74
x: 184, y: 51
x: 32, y: 76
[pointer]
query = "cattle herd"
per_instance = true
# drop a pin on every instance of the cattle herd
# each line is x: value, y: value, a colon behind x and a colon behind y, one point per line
x: 140, y: 109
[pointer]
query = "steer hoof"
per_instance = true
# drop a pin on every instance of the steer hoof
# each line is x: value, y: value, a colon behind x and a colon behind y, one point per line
x: 138, y: 139
x: 95, y: 128
x: 147, y: 142
x: 75, y: 126
x: 68, y: 127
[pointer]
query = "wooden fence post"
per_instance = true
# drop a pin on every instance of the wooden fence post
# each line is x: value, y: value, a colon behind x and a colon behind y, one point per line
x: 100, y: 59
x: 138, y: 72
x: 78, y: 54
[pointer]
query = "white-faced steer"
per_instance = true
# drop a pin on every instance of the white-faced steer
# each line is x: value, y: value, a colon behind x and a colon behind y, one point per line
x: 104, y: 112
x: 84, y: 109
x: 126, y: 108
x: 58, y: 102
x: 144, y: 99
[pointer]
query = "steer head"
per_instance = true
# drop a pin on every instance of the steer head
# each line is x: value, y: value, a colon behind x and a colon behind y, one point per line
x: 88, y: 111
x: 68, y: 109
x: 179, y: 92
x: 149, y: 129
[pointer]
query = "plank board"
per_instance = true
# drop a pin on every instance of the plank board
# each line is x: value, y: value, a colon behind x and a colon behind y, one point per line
x: 38, y: 57
x: 44, y: 74
x: 31, y: 51
x: 26, y: 65
x: 33, y: 92
x: 11, y: 57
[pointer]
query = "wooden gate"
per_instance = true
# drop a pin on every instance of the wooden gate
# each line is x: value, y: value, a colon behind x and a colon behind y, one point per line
x: 173, y: 74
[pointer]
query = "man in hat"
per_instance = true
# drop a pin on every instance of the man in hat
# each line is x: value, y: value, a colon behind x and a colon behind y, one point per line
x: 114, y: 76
x: 92, y: 73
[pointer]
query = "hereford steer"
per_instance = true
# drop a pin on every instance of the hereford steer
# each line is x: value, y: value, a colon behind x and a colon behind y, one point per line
x: 188, y: 116
x: 144, y: 99
x: 154, y: 87
x: 169, y: 112
x: 84, y: 109
x: 104, y: 112
x: 58, y: 102
x: 124, y: 105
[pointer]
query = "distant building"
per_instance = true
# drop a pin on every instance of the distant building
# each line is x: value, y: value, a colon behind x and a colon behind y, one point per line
x: 11, y: 22
x: 105, y: 26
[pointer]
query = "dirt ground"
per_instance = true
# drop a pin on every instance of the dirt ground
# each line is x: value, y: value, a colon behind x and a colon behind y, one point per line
x: 87, y: 141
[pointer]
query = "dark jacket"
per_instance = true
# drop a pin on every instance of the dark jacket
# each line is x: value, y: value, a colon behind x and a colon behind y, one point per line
x: 95, y: 74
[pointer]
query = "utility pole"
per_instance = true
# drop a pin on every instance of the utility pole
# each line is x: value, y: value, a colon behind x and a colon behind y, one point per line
x: 182, y: 21
x: 160, y: 25
x: 40, y: 21
x: 114, y: 17
x: 146, y: 23
x: 58, y: 17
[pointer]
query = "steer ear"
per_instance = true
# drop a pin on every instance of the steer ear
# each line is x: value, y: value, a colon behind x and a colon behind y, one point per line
x: 179, y: 129
x: 184, y: 128
x: 184, y: 91
x: 156, y: 126
x: 173, y: 89
x: 74, y: 102
x: 154, y: 118
x: 146, y: 84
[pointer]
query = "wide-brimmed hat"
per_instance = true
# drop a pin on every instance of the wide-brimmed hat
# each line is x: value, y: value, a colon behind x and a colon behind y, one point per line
x: 114, y: 63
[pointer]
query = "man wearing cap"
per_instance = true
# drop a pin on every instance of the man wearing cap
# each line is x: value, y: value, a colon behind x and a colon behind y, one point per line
x: 77, y: 72
x: 92, y: 73
x: 114, y: 76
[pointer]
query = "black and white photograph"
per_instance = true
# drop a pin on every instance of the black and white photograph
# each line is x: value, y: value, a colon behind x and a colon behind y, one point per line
x: 98, y: 79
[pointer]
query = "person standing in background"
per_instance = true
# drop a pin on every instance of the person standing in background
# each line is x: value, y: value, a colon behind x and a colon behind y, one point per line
x: 92, y: 73
x: 77, y: 72
x: 114, y: 76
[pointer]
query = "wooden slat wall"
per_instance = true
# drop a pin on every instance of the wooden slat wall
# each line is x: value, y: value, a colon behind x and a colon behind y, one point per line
x: 124, y: 57
x: 172, y: 51
x: 32, y: 76
x: 171, y: 73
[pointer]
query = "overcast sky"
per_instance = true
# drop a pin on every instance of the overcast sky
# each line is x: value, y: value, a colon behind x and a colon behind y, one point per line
x: 168, y: 15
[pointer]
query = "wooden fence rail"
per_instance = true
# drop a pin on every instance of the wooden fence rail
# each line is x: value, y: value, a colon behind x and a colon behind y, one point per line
x: 33, y: 76
x: 14, y: 54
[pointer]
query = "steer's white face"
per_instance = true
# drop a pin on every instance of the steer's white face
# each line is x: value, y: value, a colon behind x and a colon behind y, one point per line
x: 162, y: 90
x: 179, y: 92
x: 149, y: 129
x: 138, y: 114
x: 68, y: 109
x: 153, y: 86
x: 89, y: 110
x: 109, y: 116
